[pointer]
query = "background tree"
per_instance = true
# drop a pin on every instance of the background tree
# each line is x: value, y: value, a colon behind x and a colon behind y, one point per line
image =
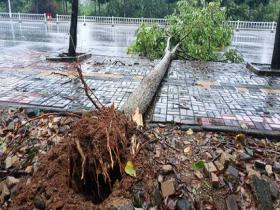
x: 251, y: 10
x: 275, y: 64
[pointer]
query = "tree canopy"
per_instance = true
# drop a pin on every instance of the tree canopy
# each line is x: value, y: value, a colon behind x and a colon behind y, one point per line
x: 37, y: 6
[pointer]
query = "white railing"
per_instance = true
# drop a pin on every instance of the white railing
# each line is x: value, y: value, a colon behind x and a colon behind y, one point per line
x: 239, y: 25
x: 23, y: 17
x: 245, y: 25
x: 113, y: 20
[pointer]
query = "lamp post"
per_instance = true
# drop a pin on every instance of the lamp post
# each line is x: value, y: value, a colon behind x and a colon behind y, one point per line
x: 10, y: 10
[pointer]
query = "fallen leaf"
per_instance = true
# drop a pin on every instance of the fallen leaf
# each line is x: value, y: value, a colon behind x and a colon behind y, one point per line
x: 3, y: 146
x: 130, y: 169
x: 137, y: 117
x: 187, y: 151
x: 198, y: 165
x: 189, y: 132
x: 240, y: 137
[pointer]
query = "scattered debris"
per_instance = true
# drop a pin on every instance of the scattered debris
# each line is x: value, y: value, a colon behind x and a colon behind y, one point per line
x: 168, y: 188
x: 231, y: 202
x: 166, y: 169
x: 262, y: 193
x: 232, y: 172
x: 260, y: 164
x: 268, y: 169
x: 172, y: 170
x: 183, y: 204
x: 210, y: 168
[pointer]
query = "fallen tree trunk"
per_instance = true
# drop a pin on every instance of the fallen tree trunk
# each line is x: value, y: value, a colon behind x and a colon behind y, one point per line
x: 145, y: 92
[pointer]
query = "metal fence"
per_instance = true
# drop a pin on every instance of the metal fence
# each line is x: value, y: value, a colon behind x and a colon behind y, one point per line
x: 239, y: 25
x: 23, y: 17
x: 245, y: 25
x: 112, y: 20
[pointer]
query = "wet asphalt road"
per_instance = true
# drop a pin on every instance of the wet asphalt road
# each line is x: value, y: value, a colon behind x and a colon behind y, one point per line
x: 256, y: 46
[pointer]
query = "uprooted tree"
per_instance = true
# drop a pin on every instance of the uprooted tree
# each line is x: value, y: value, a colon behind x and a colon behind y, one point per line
x: 144, y: 93
x: 101, y: 139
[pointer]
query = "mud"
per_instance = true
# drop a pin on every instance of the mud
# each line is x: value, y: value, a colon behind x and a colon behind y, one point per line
x: 57, y: 181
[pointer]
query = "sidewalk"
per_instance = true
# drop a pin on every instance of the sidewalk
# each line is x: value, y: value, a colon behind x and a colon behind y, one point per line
x: 193, y: 93
x: 32, y: 81
x: 218, y: 94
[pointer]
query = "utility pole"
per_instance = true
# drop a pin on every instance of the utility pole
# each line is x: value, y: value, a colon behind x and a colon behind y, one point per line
x: 10, y: 10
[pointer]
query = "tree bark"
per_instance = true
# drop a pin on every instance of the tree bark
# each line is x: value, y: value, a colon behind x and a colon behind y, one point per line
x: 73, y: 29
x: 275, y: 64
x: 124, y: 8
x: 143, y: 95
x: 66, y: 7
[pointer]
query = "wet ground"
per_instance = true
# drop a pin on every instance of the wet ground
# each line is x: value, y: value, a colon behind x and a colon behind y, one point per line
x: 256, y: 46
x: 193, y: 93
x: 52, y: 37
x: 208, y: 94
x: 218, y: 94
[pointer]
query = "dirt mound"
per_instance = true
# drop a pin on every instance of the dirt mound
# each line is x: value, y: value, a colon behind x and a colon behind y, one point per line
x: 85, y: 168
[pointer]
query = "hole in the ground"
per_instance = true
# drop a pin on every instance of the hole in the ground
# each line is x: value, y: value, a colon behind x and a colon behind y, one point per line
x: 94, y: 188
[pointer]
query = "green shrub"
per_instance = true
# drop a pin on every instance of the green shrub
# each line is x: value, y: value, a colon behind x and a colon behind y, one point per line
x: 233, y: 56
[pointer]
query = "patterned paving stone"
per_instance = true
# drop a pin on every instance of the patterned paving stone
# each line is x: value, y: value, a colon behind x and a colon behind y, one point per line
x: 193, y: 93
x: 218, y: 94
x: 41, y: 83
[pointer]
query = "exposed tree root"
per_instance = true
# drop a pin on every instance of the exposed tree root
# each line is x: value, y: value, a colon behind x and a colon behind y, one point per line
x: 80, y: 150
x: 88, y: 90
x: 98, y: 152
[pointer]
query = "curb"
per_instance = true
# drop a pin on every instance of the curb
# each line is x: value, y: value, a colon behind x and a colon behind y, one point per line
x: 260, y: 71
x: 273, y: 135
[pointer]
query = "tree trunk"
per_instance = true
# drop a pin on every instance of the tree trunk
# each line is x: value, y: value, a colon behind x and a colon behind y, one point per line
x: 66, y: 7
x: 145, y: 92
x: 73, y: 29
x: 124, y: 8
x: 95, y: 10
x: 275, y: 64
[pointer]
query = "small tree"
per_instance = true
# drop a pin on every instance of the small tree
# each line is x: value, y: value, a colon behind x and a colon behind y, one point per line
x: 275, y: 64
x: 73, y: 28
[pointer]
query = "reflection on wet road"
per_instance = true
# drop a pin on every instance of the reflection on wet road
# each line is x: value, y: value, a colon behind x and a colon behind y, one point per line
x: 98, y: 39
x: 256, y: 46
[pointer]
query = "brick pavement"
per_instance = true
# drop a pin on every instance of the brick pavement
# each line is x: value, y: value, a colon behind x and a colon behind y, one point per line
x: 37, y: 82
x: 220, y: 94
x: 193, y: 93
